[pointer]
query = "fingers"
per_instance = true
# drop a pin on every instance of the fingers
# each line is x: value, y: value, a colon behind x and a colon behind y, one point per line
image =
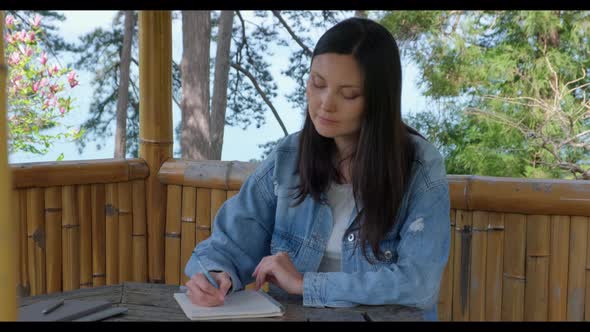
x: 224, y: 282
x: 202, y: 293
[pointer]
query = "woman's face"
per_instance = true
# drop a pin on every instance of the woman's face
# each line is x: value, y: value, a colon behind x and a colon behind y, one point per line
x: 335, y: 95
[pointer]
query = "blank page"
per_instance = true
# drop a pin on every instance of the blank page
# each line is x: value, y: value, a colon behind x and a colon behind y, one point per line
x: 242, y: 304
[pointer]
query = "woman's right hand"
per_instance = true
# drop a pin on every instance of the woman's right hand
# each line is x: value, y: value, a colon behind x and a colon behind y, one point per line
x: 202, y: 293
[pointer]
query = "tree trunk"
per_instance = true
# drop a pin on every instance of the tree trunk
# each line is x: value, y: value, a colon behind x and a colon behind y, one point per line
x: 194, y: 67
x: 123, y: 94
x: 360, y: 13
x: 219, y: 102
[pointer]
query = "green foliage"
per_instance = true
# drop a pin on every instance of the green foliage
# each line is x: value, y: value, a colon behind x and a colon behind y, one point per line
x: 514, y: 87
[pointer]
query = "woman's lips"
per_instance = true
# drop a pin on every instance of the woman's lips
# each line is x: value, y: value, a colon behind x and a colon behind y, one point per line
x: 325, y: 121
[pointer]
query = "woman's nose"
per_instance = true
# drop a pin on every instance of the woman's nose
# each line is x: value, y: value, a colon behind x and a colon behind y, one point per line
x: 327, y: 102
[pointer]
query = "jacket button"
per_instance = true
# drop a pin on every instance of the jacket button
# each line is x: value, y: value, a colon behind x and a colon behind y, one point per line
x: 350, y: 237
x: 388, y: 254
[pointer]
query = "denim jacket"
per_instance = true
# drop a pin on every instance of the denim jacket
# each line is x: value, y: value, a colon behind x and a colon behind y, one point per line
x: 259, y: 221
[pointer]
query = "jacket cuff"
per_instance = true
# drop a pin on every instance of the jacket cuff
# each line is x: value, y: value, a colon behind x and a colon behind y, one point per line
x: 314, y: 286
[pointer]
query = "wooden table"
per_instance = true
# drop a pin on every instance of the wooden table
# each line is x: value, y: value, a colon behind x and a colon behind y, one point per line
x: 154, y: 302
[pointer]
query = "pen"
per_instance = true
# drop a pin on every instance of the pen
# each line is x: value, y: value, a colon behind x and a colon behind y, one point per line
x: 52, y: 307
x: 209, y: 277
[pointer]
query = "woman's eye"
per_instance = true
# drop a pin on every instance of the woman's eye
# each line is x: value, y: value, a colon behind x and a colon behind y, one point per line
x: 350, y: 97
x: 319, y: 86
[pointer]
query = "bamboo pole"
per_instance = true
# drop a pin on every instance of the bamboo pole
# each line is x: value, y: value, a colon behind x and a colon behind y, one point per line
x: 173, y: 227
x: 49, y: 174
x: 577, y: 275
x: 213, y: 174
x: 203, y: 214
x: 139, y: 232
x: 125, y: 232
x: 188, y: 228
x: 24, y: 243
x: 112, y: 236
x: 36, y: 240
x: 538, y: 244
x: 98, y: 199
x: 218, y: 197
x: 478, y: 266
x: 53, y: 215
x: 70, y: 239
x: 494, y: 262
x: 558, y: 267
x: 85, y: 220
x: 445, y: 297
x: 462, y: 265
x: 155, y: 125
x: 514, y: 267
x: 8, y: 242
x: 587, y: 306
x: 18, y: 248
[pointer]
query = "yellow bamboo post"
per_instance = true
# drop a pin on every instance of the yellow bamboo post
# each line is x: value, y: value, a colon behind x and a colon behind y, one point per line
x: 203, y: 214
x: 445, y: 297
x: 112, y: 230
x: 98, y: 199
x: 538, y: 243
x: 24, y: 243
x: 85, y: 220
x: 8, y: 244
x: 478, y: 266
x: 19, y: 238
x: 125, y: 231
x: 587, y: 306
x: 139, y: 232
x: 514, y: 267
x: 462, y: 262
x: 577, y: 275
x: 558, y: 267
x: 173, y: 210
x: 218, y: 197
x: 494, y: 262
x: 53, y: 215
x: 188, y: 228
x: 36, y: 240
x: 155, y: 125
x: 70, y: 239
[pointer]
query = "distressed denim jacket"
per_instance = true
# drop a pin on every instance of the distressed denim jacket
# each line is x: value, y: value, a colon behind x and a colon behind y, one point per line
x: 259, y: 221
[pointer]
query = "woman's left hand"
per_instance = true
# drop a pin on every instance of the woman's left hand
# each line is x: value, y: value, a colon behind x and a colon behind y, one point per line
x: 279, y: 270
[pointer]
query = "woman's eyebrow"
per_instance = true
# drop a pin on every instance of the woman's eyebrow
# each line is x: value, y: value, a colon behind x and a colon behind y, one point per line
x: 340, y: 86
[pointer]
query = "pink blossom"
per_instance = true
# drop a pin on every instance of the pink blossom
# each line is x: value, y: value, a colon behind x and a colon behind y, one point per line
x: 72, y: 79
x: 28, y: 51
x: 10, y: 39
x: 55, y: 69
x: 9, y: 21
x: 14, y: 58
x: 43, y: 58
x: 36, y: 86
x: 37, y: 21
x: 44, y: 82
x: 62, y: 110
x: 22, y: 36
x: 30, y: 37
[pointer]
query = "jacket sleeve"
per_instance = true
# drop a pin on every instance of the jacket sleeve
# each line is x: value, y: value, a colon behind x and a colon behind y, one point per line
x: 412, y: 280
x: 242, y: 230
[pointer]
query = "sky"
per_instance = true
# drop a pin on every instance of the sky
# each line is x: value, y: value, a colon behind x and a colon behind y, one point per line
x: 238, y: 144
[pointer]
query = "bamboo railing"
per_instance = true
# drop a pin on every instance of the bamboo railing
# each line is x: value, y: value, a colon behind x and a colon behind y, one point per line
x: 81, y: 224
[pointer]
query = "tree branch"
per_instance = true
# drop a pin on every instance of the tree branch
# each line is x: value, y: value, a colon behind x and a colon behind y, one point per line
x: 262, y: 94
x: 297, y: 40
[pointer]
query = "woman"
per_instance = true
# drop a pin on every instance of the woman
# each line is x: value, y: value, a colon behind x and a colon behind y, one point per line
x: 353, y: 209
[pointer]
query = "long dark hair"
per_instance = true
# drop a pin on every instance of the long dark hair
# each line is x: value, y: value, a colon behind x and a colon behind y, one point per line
x: 381, y: 163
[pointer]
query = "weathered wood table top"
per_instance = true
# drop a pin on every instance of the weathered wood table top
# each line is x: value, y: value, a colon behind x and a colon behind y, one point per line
x: 155, y: 302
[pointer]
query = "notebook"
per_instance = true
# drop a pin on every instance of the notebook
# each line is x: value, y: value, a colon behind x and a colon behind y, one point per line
x: 70, y: 310
x: 243, y: 304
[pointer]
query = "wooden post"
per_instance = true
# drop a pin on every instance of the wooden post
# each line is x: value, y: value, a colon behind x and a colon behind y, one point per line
x: 7, y: 223
x: 155, y: 125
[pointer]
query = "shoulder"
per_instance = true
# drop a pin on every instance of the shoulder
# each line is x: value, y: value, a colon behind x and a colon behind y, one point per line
x: 428, y: 166
x: 283, y: 156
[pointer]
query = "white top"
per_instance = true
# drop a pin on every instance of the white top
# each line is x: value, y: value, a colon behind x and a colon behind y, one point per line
x: 341, y: 202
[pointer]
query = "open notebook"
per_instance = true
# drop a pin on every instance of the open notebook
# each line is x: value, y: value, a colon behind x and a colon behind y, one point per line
x: 242, y: 304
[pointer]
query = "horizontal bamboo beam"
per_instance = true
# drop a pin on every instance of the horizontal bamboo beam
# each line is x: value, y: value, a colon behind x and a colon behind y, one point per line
x: 213, y: 174
x: 64, y: 173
